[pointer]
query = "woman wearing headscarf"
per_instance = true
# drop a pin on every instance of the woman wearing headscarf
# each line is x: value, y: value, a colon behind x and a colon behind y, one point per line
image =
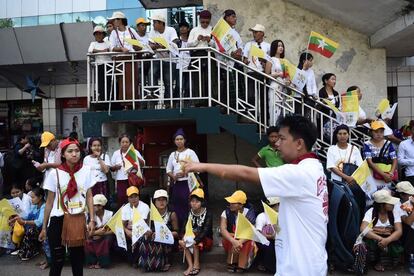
x: 180, y: 189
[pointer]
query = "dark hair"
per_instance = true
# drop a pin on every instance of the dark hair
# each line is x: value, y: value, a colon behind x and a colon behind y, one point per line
x: 184, y: 24
x: 335, y: 133
x: 39, y: 192
x: 202, y: 200
x: 272, y: 129
x: 228, y: 12
x: 124, y: 21
x: 376, y: 208
x: 352, y: 88
x: 34, y: 182
x: 326, y: 77
x: 73, y: 135
x: 124, y: 135
x: 110, y: 21
x: 274, y: 46
x: 303, y: 57
x: 16, y: 186
x: 300, y: 128
x: 90, y: 142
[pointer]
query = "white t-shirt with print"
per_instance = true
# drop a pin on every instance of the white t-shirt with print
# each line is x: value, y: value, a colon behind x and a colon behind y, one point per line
x: 97, y: 172
x: 118, y: 159
x: 337, y: 155
x: 261, y: 221
x: 77, y: 203
x: 368, y: 218
x: 173, y: 164
x: 303, y: 216
x: 169, y: 34
x: 105, y: 218
x: 100, y: 59
x: 127, y: 211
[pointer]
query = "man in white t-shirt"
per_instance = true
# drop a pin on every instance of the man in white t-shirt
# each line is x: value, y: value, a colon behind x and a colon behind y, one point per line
x: 169, y: 35
x: 301, y: 186
x: 52, y: 158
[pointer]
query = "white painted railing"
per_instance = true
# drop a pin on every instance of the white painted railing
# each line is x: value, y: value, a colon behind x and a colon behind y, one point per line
x: 133, y: 81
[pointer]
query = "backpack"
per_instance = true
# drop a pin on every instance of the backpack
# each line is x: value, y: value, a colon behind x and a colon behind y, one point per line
x: 343, y: 225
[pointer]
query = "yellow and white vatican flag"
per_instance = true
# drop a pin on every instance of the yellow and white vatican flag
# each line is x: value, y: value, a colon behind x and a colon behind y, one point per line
x: 245, y: 230
x: 162, y: 233
x: 189, y: 235
x: 139, y: 227
x: 115, y: 224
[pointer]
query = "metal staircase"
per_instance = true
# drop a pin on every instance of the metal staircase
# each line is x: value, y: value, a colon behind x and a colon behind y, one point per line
x: 131, y: 81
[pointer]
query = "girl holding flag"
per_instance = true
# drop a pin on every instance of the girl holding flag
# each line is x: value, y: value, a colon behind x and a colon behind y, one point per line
x: 154, y: 253
x: 198, y: 235
x: 266, y: 255
x: 240, y: 252
x: 118, y: 166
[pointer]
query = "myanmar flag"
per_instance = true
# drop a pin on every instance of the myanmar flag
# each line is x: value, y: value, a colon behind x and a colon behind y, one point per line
x: 322, y: 45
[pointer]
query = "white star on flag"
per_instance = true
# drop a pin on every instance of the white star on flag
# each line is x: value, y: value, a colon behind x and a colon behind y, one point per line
x: 322, y: 44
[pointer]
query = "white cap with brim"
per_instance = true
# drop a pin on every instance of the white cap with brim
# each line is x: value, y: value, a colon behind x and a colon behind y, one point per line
x: 158, y: 17
x: 117, y: 15
x: 98, y: 29
x: 160, y: 193
x: 273, y: 200
x: 257, y: 28
x: 405, y: 187
x: 384, y: 196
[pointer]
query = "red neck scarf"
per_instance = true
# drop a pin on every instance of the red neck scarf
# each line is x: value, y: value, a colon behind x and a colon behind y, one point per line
x: 72, y: 188
x: 303, y: 157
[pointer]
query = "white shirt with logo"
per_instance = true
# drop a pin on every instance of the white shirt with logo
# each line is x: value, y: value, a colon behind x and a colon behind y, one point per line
x: 97, y: 172
x: 303, y: 216
x: 127, y: 211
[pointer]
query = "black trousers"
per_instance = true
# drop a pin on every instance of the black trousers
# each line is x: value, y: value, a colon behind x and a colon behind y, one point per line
x: 57, y: 250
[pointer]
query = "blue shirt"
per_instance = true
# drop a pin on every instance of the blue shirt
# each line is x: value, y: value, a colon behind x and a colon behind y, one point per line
x: 36, y: 214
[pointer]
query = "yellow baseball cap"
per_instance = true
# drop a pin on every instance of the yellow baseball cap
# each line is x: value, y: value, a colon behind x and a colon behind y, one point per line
x: 198, y: 193
x: 132, y: 190
x: 142, y: 20
x: 237, y: 197
x: 46, y: 138
x: 377, y: 125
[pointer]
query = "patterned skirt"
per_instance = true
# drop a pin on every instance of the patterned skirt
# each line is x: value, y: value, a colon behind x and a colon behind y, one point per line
x: 97, y: 251
x: 30, y: 246
x: 152, y: 256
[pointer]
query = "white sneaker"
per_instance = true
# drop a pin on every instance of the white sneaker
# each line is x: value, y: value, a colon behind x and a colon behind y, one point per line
x: 14, y: 253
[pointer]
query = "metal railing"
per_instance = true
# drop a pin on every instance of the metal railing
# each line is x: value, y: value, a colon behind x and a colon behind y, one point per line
x: 203, y: 77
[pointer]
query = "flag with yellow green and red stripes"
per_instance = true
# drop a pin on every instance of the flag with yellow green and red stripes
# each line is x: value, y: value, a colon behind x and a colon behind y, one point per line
x: 322, y: 44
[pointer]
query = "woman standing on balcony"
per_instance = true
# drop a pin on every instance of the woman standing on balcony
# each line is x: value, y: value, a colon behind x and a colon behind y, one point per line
x: 310, y: 89
x: 274, y: 69
x: 180, y: 189
x: 118, y: 166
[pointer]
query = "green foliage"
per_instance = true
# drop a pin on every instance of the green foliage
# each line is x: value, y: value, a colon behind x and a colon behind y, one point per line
x: 6, y: 23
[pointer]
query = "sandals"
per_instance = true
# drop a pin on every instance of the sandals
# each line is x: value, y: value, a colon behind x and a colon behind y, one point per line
x: 166, y: 268
x: 240, y: 270
x: 195, y: 271
x: 232, y: 268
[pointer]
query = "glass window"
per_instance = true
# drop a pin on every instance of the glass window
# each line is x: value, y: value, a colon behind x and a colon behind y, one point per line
x: 46, y: 19
x: 133, y: 14
x: 81, y: 17
x: 17, y: 21
x: 115, y: 4
x: 132, y: 4
x: 64, y: 18
x: 30, y: 21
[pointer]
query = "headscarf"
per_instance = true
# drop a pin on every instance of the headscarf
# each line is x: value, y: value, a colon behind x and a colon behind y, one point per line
x: 179, y: 132
x: 337, y: 129
x: 72, y: 188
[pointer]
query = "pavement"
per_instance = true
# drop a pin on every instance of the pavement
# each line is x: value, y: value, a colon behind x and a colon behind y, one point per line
x: 212, y: 263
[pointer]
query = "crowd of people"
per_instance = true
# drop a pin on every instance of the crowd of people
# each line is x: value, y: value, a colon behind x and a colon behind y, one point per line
x: 65, y: 191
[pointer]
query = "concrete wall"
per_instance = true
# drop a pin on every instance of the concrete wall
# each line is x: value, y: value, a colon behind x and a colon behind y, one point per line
x: 225, y: 148
x: 354, y: 63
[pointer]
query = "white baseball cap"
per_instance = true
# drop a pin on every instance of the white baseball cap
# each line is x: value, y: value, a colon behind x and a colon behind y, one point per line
x: 160, y: 193
x: 258, y: 28
x: 117, y: 15
x: 384, y: 196
x: 99, y: 199
x: 405, y: 187
x: 158, y: 17
x: 99, y: 29
x: 273, y: 200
